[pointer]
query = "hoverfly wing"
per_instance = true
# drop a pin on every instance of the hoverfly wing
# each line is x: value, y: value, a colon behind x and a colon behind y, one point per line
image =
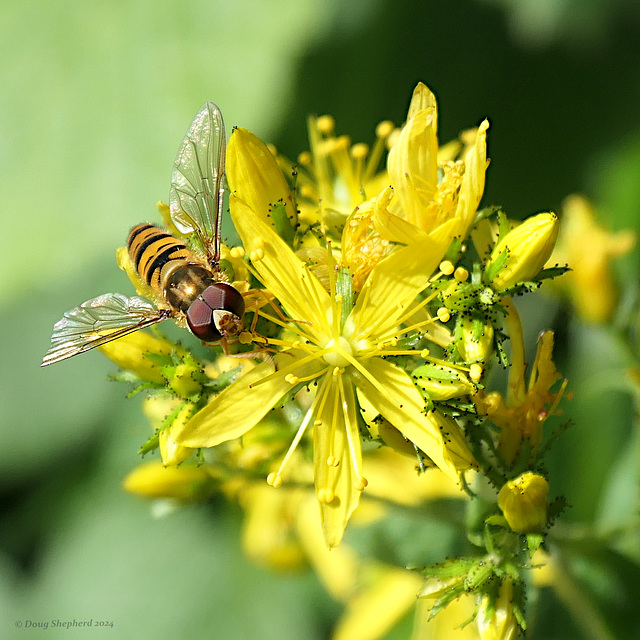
x: 98, y: 321
x: 197, y: 180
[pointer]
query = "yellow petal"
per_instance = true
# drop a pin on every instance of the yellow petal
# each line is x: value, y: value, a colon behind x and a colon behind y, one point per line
x: 390, y: 390
x: 413, y: 165
x: 254, y: 176
x: 421, y: 100
x: 234, y: 410
x: 336, y: 443
x: 472, y: 187
x: 392, y: 287
x: 282, y: 273
x: 391, y: 226
x: 243, y: 403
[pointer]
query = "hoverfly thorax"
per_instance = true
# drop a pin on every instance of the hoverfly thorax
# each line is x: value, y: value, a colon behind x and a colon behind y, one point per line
x: 189, y: 286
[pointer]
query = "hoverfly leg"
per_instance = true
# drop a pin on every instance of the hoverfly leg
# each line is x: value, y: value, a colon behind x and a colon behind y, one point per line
x: 269, y: 300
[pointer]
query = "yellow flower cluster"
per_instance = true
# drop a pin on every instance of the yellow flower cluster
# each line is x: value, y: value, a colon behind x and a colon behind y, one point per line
x: 382, y: 296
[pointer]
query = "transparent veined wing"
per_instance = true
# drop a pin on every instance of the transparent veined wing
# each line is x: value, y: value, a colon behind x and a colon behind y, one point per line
x: 197, y: 180
x: 98, y: 321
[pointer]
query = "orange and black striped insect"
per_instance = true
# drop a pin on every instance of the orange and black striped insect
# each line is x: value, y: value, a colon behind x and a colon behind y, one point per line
x: 189, y: 285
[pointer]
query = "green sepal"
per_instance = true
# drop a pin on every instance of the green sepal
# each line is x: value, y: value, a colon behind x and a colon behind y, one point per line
x: 344, y: 289
x: 551, y: 272
x: 498, y: 521
x: 283, y: 225
x: 534, y: 542
x: 150, y: 445
x: 496, y: 266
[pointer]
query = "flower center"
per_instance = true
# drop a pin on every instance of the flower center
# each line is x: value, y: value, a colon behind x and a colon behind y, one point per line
x: 336, y: 357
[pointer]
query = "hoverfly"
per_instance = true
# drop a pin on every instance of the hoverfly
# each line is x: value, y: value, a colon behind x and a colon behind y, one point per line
x: 190, y: 288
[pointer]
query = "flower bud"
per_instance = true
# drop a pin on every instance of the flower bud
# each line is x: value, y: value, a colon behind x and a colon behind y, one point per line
x: 454, y: 440
x: 154, y: 480
x: 254, y: 176
x: 524, y: 502
x: 171, y: 452
x: 185, y: 381
x: 130, y: 352
x: 476, y: 339
x: 442, y: 383
x: 496, y: 619
x: 523, y: 252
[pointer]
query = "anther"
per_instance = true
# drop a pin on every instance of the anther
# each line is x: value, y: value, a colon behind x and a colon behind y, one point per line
x: 236, y: 252
x: 326, y: 124
x: 359, y: 150
x: 384, y: 129
x: 446, y: 266
x: 461, y: 274
x: 325, y: 496
x: 361, y: 483
x: 332, y: 461
x: 443, y: 314
x: 256, y: 255
x: 274, y: 479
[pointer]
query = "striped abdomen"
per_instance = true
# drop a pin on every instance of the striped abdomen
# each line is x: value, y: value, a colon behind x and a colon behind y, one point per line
x: 155, y: 253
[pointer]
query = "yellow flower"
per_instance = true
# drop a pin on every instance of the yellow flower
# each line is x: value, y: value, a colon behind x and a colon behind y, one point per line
x: 428, y: 190
x: 498, y: 622
x: 338, y: 348
x: 588, y: 249
x: 524, y: 501
x: 523, y: 252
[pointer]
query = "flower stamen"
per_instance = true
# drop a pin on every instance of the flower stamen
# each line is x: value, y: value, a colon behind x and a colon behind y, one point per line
x: 311, y: 412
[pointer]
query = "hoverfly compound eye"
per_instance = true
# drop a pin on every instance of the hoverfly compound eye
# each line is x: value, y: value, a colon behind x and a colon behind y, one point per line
x: 216, y: 313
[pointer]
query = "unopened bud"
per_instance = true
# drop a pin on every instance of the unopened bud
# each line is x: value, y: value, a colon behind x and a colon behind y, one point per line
x: 154, y: 480
x: 185, y: 380
x: 523, y: 252
x: 496, y: 619
x: 524, y: 502
x: 131, y: 352
x: 442, y: 383
x: 476, y: 338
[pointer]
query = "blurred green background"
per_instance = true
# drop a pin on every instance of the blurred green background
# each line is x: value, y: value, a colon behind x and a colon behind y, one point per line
x: 94, y: 101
